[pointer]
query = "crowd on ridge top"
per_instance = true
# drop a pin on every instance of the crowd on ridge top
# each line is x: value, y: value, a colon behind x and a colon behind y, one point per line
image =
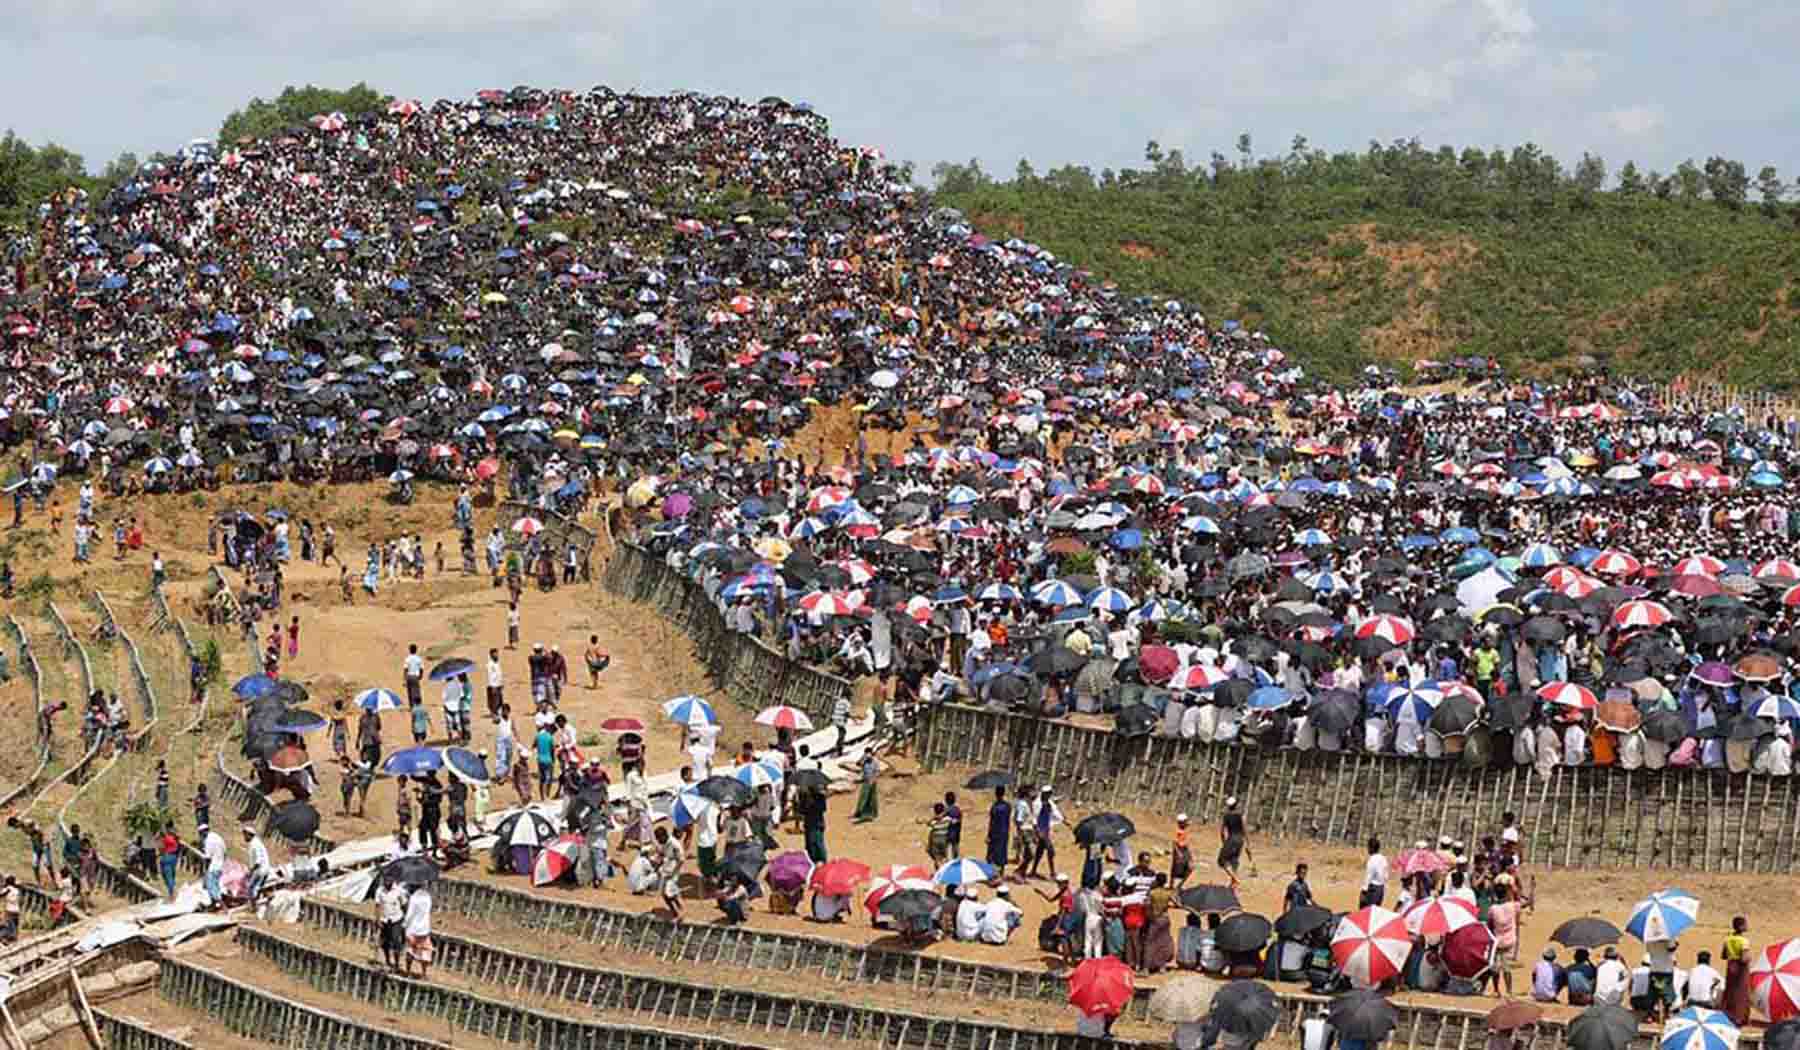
x: 602, y: 289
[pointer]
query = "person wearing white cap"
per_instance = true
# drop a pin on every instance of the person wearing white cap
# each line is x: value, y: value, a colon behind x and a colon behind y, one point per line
x: 1000, y: 918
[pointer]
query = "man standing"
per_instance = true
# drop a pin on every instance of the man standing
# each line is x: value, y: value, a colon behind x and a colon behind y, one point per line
x: 414, y: 670
x: 418, y: 931
x: 392, y: 902
x: 260, y: 867
x: 840, y: 719
x: 1374, y: 876
x: 558, y: 673
x: 212, y: 847
x: 812, y: 819
x: 1299, y: 894
x: 999, y: 829
x: 496, y: 683
x: 9, y: 910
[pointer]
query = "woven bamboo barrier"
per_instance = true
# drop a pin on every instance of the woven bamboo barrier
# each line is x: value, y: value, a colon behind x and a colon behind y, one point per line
x: 504, y: 1022
x: 123, y: 1033
x: 266, y: 1018
x: 140, y: 679
x: 28, y: 665
x: 836, y: 964
x: 743, y: 666
x: 670, y: 1001
x: 1580, y: 816
x: 166, y: 620
x: 251, y: 804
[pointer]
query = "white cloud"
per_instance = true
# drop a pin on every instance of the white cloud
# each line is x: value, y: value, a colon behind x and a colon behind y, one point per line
x: 1636, y: 121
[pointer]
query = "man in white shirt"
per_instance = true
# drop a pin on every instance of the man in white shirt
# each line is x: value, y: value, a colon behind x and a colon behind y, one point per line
x: 392, y: 901
x: 414, y: 671
x: 260, y: 868
x: 452, y: 709
x: 212, y: 846
x: 496, y: 681
x: 1575, y: 744
x: 1000, y: 918
x: 1703, y: 982
x: 1375, y: 876
x: 968, y: 916
x: 706, y: 843
x: 1611, y: 980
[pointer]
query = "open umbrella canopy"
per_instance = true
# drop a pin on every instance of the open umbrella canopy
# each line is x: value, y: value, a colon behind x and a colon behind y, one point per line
x: 1601, y: 1027
x: 253, y: 687
x: 412, y: 761
x: 1586, y: 932
x: 989, y: 779
x: 690, y: 711
x: 296, y: 821
x: 1775, y: 980
x: 1104, y: 829
x: 1663, y: 915
x: 1184, y: 999
x: 557, y: 860
x: 1206, y: 898
x: 839, y: 877
x: 1370, y: 946
x: 790, y: 871
x: 289, y: 760
x: 450, y: 668
x: 1101, y: 986
x: 1247, y: 1008
x: 1699, y: 1028
x: 910, y: 904
x: 726, y: 791
x: 379, y: 700
x: 1243, y: 932
x: 1514, y: 1014
x: 466, y: 766
x: 405, y: 871
x: 1363, y: 1014
x: 524, y: 828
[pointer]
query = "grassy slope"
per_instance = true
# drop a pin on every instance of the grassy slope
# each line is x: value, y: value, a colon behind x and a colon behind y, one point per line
x: 1340, y: 274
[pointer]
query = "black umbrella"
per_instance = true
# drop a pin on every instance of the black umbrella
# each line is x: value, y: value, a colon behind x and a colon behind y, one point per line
x: 1783, y: 1035
x: 296, y: 820
x: 1544, y: 629
x: 1233, y: 692
x: 1104, y: 829
x: 1504, y: 617
x: 810, y: 778
x: 1056, y: 659
x: 1586, y: 933
x: 1136, y: 720
x: 1244, y: 932
x: 1336, y: 711
x: 450, y: 668
x: 1455, y: 715
x: 288, y: 692
x: 726, y: 791
x: 746, y: 860
x: 1250, y: 1009
x: 1296, y: 924
x: 1603, y: 1028
x: 1365, y: 1015
x: 1207, y: 898
x: 911, y: 904
x: 989, y: 779
x: 406, y: 871
x: 1664, y: 726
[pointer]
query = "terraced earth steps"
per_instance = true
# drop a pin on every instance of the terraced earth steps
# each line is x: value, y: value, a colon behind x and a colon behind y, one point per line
x: 561, y: 967
x: 145, y: 1021
x: 18, y: 719
x: 302, y: 975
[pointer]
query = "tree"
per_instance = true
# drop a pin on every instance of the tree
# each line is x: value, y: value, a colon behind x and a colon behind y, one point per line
x: 1727, y: 182
x: 1631, y: 183
x: 1689, y: 181
x: 1662, y: 185
x: 1245, y: 153
x: 1590, y: 175
x: 960, y: 178
x: 261, y: 118
x: 1025, y: 174
x: 1070, y: 178
x: 28, y: 175
x: 1769, y: 184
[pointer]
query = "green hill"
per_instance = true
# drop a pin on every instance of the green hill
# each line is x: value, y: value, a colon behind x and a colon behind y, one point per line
x: 1400, y: 253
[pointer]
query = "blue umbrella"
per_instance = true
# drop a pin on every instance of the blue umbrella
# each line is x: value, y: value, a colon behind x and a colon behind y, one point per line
x: 1698, y: 1028
x: 756, y: 774
x: 1312, y: 538
x: 1419, y: 541
x: 412, y: 761
x: 1459, y: 534
x: 1663, y: 915
x: 999, y: 592
x: 1126, y: 539
x: 964, y: 871
x: 1540, y: 556
x: 466, y: 765
x: 379, y: 700
x: 1109, y: 599
x: 689, y: 807
x: 451, y: 668
x: 1200, y: 523
x: 1780, y: 708
x: 299, y: 722
x: 1270, y: 697
x: 1055, y: 592
x: 690, y: 711
x: 254, y: 687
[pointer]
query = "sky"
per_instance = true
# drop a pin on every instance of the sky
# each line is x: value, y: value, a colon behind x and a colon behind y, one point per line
x: 1055, y: 81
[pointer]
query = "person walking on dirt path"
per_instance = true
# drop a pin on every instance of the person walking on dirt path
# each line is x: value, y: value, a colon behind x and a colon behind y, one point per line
x: 418, y: 931
x: 390, y: 903
x: 999, y: 829
x: 212, y: 847
x: 40, y: 847
x: 168, y: 856
x: 597, y: 660
x: 1233, y: 843
x: 414, y: 671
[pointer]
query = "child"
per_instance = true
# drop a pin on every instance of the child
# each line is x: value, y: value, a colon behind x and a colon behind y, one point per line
x: 202, y: 807
x: 293, y: 637
x: 512, y: 624
x: 421, y: 723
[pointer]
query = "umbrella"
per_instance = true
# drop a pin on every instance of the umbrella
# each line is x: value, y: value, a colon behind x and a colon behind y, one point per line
x: 1101, y: 986
x: 1698, y: 1028
x: 1297, y: 924
x: 1663, y: 915
x: 1208, y: 898
x: 910, y: 905
x: 1783, y: 1035
x: 379, y: 700
x: 1370, y: 946
x: 689, y: 807
x: 1439, y: 916
x: 690, y: 711
x: 298, y: 722
x: 451, y: 668
x: 295, y: 820
x: 1246, y: 1008
x: 1244, y: 932
x: 745, y: 860
x: 1364, y: 1015
x: 412, y: 761
x: 556, y: 860
x: 289, y: 760
x: 1586, y: 933
x: 1469, y: 951
x: 1603, y: 1028
x: 781, y: 716
x: 726, y: 791
x: 1104, y: 829
x: 964, y: 871
x: 988, y: 780
x: 1775, y: 980
x: 1514, y: 1014
x: 466, y: 765
x: 836, y: 878
x: 790, y: 871
x: 253, y: 687
x: 622, y: 725
x: 524, y: 828
x: 406, y: 871
x: 810, y: 779
x: 1184, y: 1000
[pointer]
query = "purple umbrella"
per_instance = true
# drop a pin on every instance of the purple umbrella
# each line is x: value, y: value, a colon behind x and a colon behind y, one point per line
x: 1714, y: 673
x: 678, y: 505
x: 790, y: 871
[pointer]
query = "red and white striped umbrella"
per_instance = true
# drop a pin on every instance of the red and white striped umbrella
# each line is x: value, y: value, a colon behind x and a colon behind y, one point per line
x: 1568, y: 694
x: 1387, y: 627
x: 1370, y: 946
x: 1447, y: 468
x: 882, y: 887
x: 826, y: 497
x: 827, y: 603
x: 1578, y: 586
x: 1197, y: 676
x: 742, y: 304
x: 556, y: 860
x: 860, y: 571
x: 1641, y: 612
x: 1615, y: 563
x: 1148, y: 484
x: 781, y: 716
x: 1775, y: 980
x: 528, y: 526
x: 1791, y: 597
x: 157, y: 369
x: 1780, y: 568
x: 118, y: 406
x: 1698, y: 565
x: 1439, y: 916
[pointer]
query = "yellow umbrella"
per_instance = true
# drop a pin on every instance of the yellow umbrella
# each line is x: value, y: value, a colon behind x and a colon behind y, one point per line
x: 773, y: 548
x: 567, y: 435
x: 1582, y: 459
x: 809, y: 400
x: 636, y: 379
x: 641, y: 492
x: 494, y: 297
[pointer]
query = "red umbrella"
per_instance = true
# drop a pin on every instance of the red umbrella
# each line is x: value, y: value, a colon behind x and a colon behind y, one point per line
x: 1439, y: 916
x: 1157, y: 663
x: 487, y: 468
x: 289, y: 759
x: 836, y: 878
x: 1427, y: 861
x: 1370, y: 946
x: 1101, y: 986
x: 556, y: 860
x: 1469, y: 950
x: 622, y: 725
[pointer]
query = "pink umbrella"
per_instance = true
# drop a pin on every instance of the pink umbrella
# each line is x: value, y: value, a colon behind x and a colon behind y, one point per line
x: 1439, y: 916
x: 1422, y: 861
x: 790, y: 871
x: 781, y: 716
x: 1370, y: 946
x: 1568, y: 694
x: 1469, y: 950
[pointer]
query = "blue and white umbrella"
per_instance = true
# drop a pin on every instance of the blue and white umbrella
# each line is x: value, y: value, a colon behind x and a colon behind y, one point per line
x: 190, y: 460
x: 1055, y: 592
x: 1698, y: 1028
x: 1777, y: 707
x: 1312, y: 538
x: 758, y: 774
x: 1460, y: 534
x: 412, y: 762
x: 466, y: 766
x: 158, y: 465
x: 964, y: 871
x: 379, y: 700
x: 1200, y: 523
x: 1109, y: 599
x: 689, y: 807
x: 1270, y: 697
x: 999, y: 592
x: 1663, y: 915
x: 961, y: 494
x: 1540, y: 556
x: 1328, y: 583
x: 690, y: 711
x: 1418, y: 702
x: 1159, y: 610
